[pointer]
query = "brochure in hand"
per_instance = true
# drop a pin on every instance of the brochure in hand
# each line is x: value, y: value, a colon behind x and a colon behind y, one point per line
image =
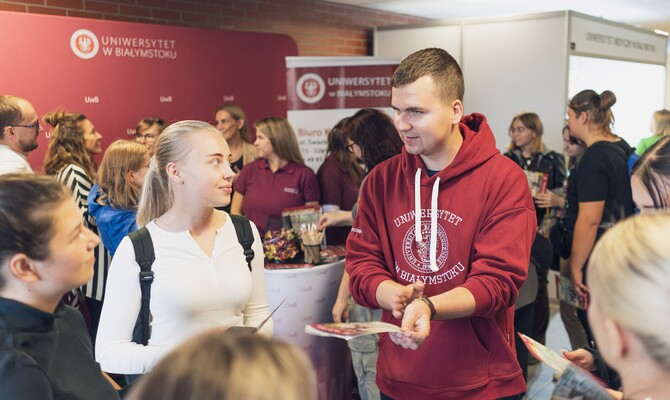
x: 537, y: 181
x: 575, y: 383
x: 557, y: 362
x: 567, y: 294
x: 349, y: 330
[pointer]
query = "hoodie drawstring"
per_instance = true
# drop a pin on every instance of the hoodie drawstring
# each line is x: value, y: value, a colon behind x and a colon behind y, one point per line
x: 433, y: 217
x: 417, y: 206
x: 433, y: 226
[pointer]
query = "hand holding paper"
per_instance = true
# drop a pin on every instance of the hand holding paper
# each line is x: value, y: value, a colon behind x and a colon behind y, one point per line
x: 581, y: 357
x: 415, y: 326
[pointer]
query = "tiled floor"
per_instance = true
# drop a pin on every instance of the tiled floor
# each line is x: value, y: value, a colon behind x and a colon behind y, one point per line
x: 540, y: 384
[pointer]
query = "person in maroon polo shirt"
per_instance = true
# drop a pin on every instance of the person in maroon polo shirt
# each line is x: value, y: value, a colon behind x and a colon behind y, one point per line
x: 339, y: 178
x: 278, y: 179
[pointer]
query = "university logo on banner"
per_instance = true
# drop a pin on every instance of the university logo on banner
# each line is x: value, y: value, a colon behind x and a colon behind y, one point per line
x: 310, y: 88
x: 84, y: 44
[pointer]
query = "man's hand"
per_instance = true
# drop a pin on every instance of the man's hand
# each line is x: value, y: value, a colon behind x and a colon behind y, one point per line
x: 415, y: 326
x: 395, y: 297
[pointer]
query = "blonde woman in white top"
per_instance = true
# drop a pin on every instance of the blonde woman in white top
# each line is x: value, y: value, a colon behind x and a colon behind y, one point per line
x: 201, y: 278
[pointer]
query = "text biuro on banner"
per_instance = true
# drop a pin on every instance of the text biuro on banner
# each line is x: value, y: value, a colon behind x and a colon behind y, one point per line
x: 323, y: 90
x: 117, y: 73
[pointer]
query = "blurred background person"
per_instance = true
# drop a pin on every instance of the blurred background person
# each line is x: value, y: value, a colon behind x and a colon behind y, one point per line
x: 339, y: 179
x: 19, y: 130
x: 218, y: 365
x: 201, y: 277
x: 574, y: 150
x: 73, y: 143
x: 147, y: 132
x: 373, y: 138
x: 113, y: 200
x: 231, y: 121
x: 650, y: 185
x: 650, y: 182
x: 603, y: 182
x: 659, y: 127
x: 45, y: 349
x: 529, y: 151
x: 543, y: 166
x: 278, y: 179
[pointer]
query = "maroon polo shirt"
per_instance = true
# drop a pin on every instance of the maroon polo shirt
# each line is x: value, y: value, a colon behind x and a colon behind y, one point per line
x: 267, y: 193
x: 338, y: 188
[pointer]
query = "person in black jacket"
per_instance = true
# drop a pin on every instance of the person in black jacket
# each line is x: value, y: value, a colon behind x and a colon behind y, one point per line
x: 45, y: 251
x: 529, y: 151
x: 545, y: 170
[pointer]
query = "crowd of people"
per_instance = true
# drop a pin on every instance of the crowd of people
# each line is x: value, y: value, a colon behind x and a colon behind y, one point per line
x: 446, y: 237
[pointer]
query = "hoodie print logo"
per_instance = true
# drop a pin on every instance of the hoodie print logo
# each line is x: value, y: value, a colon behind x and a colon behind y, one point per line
x: 417, y: 255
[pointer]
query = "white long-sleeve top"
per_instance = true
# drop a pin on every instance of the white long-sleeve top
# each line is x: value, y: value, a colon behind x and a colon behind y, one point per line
x: 191, y: 293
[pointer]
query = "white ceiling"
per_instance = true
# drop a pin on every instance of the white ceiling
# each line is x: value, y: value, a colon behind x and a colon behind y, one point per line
x: 649, y: 14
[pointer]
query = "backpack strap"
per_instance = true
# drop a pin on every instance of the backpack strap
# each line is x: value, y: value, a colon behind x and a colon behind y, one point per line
x: 244, y: 235
x: 144, y: 255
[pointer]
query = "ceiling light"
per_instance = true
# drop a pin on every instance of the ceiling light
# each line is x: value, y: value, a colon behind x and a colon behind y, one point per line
x: 660, y: 32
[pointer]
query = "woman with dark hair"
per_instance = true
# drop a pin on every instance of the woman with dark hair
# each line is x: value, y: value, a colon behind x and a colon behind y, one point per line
x: 147, y: 132
x: 45, y: 350
x: 602, y: 182
x: 278, y: 179
x: 373, y: 138
x: 74, y: 141
x: 650, y: 185
x: 574, y: 150
x: 339, y: 178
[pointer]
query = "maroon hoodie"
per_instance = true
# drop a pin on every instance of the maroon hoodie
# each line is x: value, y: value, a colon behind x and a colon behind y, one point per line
x: 485, y: 224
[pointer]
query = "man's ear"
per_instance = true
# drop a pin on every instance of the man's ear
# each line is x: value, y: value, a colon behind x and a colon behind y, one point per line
x: 23, y: 268
x: 7, y: 130
x: 457, y: 108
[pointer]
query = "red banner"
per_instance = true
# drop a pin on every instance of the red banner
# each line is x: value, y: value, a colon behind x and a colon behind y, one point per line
x: 334, y: 87
x: 117, y: 73
x: 323, y: 90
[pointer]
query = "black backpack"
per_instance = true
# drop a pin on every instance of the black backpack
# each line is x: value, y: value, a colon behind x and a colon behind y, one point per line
x: 144, y: 255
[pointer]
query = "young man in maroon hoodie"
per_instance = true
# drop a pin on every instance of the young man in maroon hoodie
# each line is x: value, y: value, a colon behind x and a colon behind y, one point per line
x: 442, y: 243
